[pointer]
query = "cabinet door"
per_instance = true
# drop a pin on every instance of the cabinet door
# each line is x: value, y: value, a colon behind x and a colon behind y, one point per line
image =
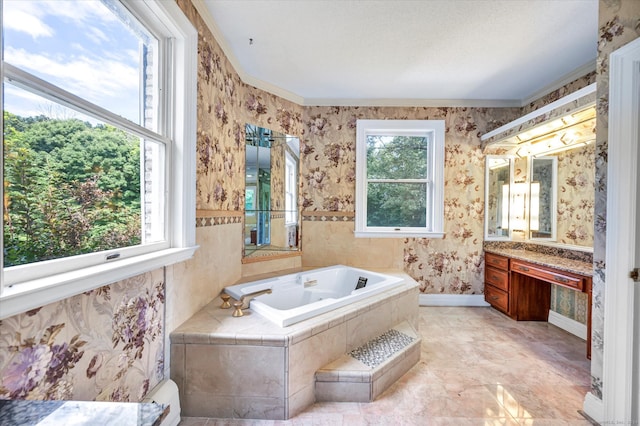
x: 496, y: 261
x: 562, y: 278
x: 497, y: 298
x: 496, y: 278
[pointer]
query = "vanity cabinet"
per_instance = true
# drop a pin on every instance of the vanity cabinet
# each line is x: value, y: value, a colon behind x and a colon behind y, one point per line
x: 522, y: 290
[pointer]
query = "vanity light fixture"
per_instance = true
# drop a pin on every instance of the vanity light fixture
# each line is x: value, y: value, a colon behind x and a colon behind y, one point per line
x: 538, y: 133
x: 562, y: 148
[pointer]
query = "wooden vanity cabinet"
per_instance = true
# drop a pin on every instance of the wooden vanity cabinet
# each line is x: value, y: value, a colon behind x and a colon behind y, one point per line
x: 496, y: 282
x: 522, y: 290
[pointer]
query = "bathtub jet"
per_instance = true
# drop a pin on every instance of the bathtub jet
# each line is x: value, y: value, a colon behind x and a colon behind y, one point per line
x: 300, y: 296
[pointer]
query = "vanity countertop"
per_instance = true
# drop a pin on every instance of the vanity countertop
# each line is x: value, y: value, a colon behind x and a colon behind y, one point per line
x: 557, y: 262
x: 45, y: 413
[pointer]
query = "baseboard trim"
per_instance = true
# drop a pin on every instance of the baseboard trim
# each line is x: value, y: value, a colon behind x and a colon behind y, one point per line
x: 567, y: 324
x: 593, y: 407
x: 452, y: 300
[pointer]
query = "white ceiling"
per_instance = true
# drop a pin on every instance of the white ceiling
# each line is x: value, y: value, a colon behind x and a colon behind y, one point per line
x: 406, y: 52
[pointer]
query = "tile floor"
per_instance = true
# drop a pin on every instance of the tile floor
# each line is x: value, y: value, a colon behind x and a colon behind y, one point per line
x: 477, y: 367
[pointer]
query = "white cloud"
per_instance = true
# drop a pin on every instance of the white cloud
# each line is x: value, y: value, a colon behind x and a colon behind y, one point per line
x: 103, y: 81
x: 22, y: 20
x: 29, y: 16
x: 96, y: 35
x: 84, y: 12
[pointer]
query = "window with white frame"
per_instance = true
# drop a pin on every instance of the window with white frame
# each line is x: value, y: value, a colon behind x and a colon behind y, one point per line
x: 98, y: 153
x: 400, y: 178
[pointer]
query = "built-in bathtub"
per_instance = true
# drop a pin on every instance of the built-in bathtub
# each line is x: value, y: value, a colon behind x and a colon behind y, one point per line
x: 300, y: 296
x: 248, y: 367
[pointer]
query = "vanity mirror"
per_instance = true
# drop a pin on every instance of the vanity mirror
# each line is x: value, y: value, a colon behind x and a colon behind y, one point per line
x: 271, y: 219
x: 543, y: 189
x: 551, y: 202
x: 498, y: 177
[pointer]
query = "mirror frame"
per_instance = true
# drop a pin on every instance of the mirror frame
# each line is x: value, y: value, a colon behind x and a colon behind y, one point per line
x: 494, y: 237
x: 279, y: 213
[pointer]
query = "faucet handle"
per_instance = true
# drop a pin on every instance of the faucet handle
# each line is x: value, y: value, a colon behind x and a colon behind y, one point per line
x: 237, y: 305
x: 225, y: 301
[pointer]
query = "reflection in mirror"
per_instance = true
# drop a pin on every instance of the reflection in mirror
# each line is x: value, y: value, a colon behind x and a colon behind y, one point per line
x: 271, y: 225
x: 498, y: 176
x: 542, y: 201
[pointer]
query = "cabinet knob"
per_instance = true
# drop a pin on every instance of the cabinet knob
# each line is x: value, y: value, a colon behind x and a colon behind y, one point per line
x: 560, y: 279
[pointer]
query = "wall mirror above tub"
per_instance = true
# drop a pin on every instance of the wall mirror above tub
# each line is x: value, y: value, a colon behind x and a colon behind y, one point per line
x: 553, y: 160
x: 498, y: 178
x: 271, y: 219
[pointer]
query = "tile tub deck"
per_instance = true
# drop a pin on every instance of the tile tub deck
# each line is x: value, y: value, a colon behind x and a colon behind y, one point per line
x: 250, y: 368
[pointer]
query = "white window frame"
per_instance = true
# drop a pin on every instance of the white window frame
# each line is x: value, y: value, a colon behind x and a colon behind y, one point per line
x: 434, y: 129
x: 21, y: 289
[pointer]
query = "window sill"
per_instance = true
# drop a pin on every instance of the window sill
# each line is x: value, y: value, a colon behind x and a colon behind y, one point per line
x: 34, y: 294
x: 399, y: 234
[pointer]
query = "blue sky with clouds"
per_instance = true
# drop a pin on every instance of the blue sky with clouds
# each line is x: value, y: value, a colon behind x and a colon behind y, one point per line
x: 81, y: 46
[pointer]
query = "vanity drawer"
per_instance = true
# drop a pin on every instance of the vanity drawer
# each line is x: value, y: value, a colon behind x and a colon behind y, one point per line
x: 556, y: 277
x: 497, y: 298
x: 496, y: 278
x: 496, y: 261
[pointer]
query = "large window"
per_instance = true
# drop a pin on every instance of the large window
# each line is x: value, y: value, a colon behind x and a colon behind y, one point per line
x: 97, y: 154
x: 400, y: 178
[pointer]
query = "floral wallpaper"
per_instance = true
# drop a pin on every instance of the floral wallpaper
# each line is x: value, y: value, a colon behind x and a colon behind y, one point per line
x: 575, y: 199
x: 619, y: 23
x: 105, y: 344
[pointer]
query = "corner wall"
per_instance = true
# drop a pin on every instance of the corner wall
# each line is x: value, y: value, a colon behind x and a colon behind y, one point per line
x: 618, y: 24
x: 452, y: 265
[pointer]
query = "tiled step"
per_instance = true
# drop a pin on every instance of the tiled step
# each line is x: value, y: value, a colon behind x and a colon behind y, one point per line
x: 367, y: 371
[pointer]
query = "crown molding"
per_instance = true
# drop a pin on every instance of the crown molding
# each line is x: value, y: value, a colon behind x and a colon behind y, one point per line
x: 563, y: 81
x: 373, y: 102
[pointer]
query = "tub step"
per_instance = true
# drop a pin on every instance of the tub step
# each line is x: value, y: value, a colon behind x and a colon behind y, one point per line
x: 364, y: 373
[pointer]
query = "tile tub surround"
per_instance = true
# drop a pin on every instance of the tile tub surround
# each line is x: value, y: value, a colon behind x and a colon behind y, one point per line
x: 250, y: 368
x: 367, y: 371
